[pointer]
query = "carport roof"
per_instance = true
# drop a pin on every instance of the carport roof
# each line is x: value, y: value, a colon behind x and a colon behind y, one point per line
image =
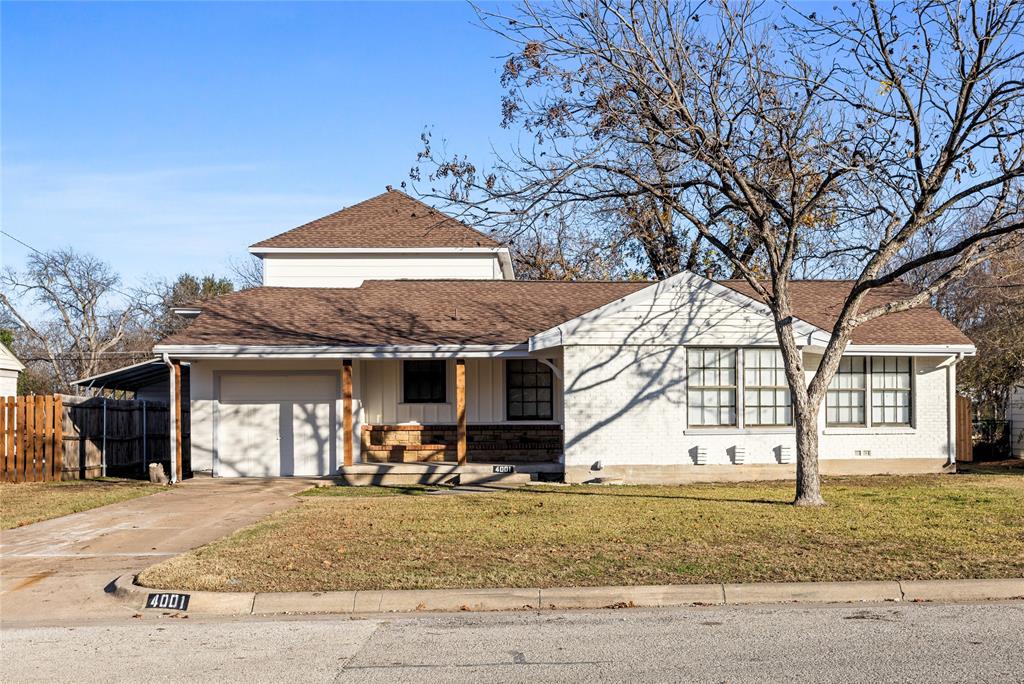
x: 131, y: 378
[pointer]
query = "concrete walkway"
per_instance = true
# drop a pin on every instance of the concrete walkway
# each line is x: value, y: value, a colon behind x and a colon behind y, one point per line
x: 57, y: 569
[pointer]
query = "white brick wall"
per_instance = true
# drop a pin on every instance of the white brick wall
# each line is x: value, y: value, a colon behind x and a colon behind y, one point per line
x: 627, y: 406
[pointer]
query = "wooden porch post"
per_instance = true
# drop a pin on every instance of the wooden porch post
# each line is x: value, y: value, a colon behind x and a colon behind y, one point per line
x: 460, y: 410
x: 177, y: 420
x: 346, y: 410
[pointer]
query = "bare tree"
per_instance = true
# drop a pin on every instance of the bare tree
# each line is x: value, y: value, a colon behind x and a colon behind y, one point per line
x: 247, y: 273
x: 85, y: 325
x: 988, y: 305
x: 857, y: 142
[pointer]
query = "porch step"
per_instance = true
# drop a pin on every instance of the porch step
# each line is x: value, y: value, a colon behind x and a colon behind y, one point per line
x: 387, y: 474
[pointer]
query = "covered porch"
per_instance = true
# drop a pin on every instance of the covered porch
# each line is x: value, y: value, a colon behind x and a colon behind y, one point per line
x: 362, y: 416
x: 504, y: 409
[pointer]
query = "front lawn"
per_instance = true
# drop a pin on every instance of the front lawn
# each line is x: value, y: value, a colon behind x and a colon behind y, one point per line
x: 874, y: 528
x: 21, y: 504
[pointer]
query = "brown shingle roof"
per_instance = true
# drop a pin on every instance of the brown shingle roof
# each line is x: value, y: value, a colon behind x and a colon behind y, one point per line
x: 397, y: 312
x: 439, y: 312
x: 818, y: 302
x: 392, y: 219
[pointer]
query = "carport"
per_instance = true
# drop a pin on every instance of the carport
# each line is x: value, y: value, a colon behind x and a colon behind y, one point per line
x: 154, y: 381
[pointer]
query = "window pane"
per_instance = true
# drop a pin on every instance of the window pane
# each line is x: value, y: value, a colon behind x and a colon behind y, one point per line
x: 891, y: 388
x: 529, y: 389
x: 424, y: 382
x: 711, y: 390
x: 844, y: 403
x: 766, y: 394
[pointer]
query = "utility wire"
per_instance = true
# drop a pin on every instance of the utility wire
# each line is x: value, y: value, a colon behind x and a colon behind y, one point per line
x: 41, y: 253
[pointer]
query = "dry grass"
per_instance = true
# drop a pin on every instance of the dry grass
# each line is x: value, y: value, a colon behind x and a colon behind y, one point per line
x: 22, y: 504
x: 875, y: 528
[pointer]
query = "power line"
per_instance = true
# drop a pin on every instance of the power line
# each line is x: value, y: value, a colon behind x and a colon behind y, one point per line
x: 42, y: 253
x: 20, y: 242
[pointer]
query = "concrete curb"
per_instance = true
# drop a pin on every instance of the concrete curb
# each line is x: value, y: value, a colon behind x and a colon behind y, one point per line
x: 126, y: 590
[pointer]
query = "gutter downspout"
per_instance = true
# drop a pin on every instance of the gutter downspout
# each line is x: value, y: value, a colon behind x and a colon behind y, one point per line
x: 951, y: 407
x: 172, y: 419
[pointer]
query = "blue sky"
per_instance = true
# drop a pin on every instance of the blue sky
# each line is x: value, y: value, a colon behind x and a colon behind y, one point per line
x: 167, y: 137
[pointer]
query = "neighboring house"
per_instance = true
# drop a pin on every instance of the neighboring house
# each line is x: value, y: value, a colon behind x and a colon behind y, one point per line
x: 1015, y: 414
x: 10, y: 369
x: 390, y: 333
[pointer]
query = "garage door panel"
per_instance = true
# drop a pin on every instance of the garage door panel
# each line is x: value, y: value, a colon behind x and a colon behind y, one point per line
x: 271, y: 425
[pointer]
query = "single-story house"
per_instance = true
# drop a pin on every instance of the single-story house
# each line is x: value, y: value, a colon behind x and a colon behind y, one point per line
x: 388, y: 333
x: 10, y: 369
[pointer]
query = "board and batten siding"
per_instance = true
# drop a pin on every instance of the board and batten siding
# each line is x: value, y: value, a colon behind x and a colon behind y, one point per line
x: 485, y: 394
x: 350, y: 270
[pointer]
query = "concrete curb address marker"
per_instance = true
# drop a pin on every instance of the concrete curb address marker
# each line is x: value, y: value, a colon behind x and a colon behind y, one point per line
x: 125, y: 589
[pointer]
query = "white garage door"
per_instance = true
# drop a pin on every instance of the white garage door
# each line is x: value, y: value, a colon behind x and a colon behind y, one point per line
x: 270, y: 425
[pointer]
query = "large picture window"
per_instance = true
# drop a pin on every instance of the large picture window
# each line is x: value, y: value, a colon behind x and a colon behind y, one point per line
x: 711, y: 386
x: 424, y: 382
x: 529, y: 387
x: 890, y: 390
x: 766, y: 399
x: 844, y: 403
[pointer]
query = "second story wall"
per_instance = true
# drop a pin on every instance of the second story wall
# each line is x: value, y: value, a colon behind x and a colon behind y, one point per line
x: 351, y: 269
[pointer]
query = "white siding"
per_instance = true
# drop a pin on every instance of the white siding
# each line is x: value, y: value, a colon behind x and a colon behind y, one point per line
x: 627, y: 406
x: 8, y: 383
x: 485, y: 394
x: 349, y: 270
x: 682, y: 314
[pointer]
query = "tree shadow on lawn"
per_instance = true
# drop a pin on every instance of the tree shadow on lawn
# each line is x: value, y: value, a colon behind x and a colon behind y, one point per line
x: 615, y: 492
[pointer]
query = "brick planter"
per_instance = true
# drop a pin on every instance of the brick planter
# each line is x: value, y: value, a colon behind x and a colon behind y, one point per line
x: 502, y: 443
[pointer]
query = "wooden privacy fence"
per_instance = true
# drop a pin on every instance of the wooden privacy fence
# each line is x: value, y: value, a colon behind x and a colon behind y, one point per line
x: 33, y: 440
x: 97, y: 437
x: 964, y: 430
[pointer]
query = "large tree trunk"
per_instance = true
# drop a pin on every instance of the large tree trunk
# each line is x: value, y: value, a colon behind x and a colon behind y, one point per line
x: 808, y: 480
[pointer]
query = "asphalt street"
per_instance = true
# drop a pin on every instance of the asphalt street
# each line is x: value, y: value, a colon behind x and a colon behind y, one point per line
x: 890, y: 642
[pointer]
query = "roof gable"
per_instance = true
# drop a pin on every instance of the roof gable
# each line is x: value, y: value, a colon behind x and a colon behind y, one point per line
x: 392, y: 220
x: 683, y: 309
x: 8, y: 361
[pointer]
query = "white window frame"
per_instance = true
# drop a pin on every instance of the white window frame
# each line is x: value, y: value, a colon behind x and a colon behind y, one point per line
x: 869, y: 389
x: 760, y: 388
x: 736, y: 388
x: 909, y: 391
x: 865, y: 392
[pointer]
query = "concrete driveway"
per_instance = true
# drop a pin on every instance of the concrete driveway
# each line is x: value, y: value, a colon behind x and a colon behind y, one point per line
x: 56, y: 569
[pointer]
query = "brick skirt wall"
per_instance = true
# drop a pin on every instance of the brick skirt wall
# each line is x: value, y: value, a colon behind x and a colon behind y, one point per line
x: 487, y: 443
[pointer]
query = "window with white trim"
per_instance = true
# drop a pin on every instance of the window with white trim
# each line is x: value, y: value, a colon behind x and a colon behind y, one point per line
x: 766, y: 397
x: 890, y: 390
x: 711, y: 386
x: 844, y: 403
